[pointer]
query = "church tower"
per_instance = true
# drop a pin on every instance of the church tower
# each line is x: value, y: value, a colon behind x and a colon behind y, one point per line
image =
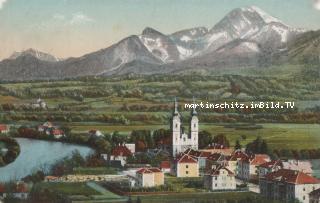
x: 176, y: 129
x: 194, y: 127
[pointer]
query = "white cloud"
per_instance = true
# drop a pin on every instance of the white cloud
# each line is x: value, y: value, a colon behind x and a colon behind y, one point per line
x: 316, y: 4
x: 2, y: 3
x: 80, y: 18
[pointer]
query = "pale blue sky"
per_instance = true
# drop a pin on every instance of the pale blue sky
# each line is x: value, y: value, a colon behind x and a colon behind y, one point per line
x: 75, y: 27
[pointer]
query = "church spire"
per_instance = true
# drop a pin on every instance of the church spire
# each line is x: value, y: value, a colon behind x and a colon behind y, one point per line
x: 176, y: 112
x: 194, y: 112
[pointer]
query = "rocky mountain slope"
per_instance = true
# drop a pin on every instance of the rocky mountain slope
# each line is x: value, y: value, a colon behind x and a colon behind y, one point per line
x: 244, y: 37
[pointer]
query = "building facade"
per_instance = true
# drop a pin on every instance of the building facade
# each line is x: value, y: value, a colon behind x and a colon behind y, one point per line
x: 180, y: 140
x: 149, y: 177
x: 288, y: 185
x: 220, y: 178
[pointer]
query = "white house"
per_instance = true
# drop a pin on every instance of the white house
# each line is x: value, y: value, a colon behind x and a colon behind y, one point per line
x: 288, y: 185
x: 4, y: 128
x: 220, y: 178
x: 248, y: 167
x: 296, y: 165
x: 120, y: 153
x: 149, y: 177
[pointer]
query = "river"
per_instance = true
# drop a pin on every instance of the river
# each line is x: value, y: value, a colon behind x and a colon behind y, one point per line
x: 37, y: 154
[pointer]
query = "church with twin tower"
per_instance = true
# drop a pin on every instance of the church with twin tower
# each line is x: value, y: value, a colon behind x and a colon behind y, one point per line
x: 180, y: 140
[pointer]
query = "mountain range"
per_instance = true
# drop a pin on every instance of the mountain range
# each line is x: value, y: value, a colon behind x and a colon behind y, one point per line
x: 244, y: 37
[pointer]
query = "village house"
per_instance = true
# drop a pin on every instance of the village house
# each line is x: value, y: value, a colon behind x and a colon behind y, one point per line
x: 220, y: 178
x: 314, y: 196
x: 149, y: 177
x: 39, y: 104
x: 120, y: 154
x: 248, y: 167
x: 296, y: 165
x: 45, y: 126
x: 233, y: 159
x: 165, y: 166
x: 95, y: 133
x: 185, y: 166
x: 57, y: 133
x: 214, y: 160
x: 288, y: 185
x: 4, y: 128
x: 21, y: 191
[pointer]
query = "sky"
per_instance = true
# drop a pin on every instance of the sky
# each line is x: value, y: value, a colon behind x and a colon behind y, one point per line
x: 68, y: 28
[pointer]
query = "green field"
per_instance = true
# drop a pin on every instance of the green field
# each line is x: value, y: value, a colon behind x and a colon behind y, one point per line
x: 278, y: 136
x: 217, y: 197
x: 69, y: 188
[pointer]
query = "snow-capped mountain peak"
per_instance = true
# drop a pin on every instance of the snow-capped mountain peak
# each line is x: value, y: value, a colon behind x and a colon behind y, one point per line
x: 35, y: 53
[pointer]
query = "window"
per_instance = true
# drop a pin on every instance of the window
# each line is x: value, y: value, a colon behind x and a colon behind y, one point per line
x: 304, y: 197
x: 216, y: 178
x: 194, y: 125
x: 187, y: 172
x: 304, y: 189
x: 176, y: 125
x: 216, y: 185
x: 187, y: 166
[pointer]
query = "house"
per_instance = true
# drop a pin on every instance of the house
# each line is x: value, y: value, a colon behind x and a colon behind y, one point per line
x: 165, y: 166
x: 120, y: 154
x: 185, y: 166
x: 248, y: 167
x: 314, y: 196
x: 45, y: 128
x: 288, y: 185
x: 57, y: 133
x: 95, y: 133
x: 131, y: 147
x: 149, y: 177
x: 296, y: 165
x: 232, y: 161
x: 220, y: 178
x: 4, y: 128
x: 214, y: 160
x: 39, y: 104
x: 21, y: 191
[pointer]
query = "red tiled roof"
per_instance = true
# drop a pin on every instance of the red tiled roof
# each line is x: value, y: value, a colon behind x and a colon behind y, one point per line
x: 3, y: 127
x: 237, y: 155
x: 271, y: 164
x: 215, y: 157
x: 291, y: 176
x: 148, y: 170
x: 187, y: 159
x: 165, y: 164
x: 216, y: 171
x: 256, y: 159
x: 121, y: 151
x: 57, y: 132
x: 205, y: 154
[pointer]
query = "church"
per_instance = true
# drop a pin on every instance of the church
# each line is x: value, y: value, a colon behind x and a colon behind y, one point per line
x: 181, y: 140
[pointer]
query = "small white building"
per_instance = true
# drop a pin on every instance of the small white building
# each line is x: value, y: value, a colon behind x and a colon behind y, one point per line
x: 149, y: 177
x: 4, y: 128
x: 220, y: 178
x: 120, y: 153
x: 131, y: 147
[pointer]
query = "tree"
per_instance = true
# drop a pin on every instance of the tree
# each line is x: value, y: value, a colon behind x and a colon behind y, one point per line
x: 257, y: 146
x: 221, y: 139
x: 204, y: 139
x: 237, y: 145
